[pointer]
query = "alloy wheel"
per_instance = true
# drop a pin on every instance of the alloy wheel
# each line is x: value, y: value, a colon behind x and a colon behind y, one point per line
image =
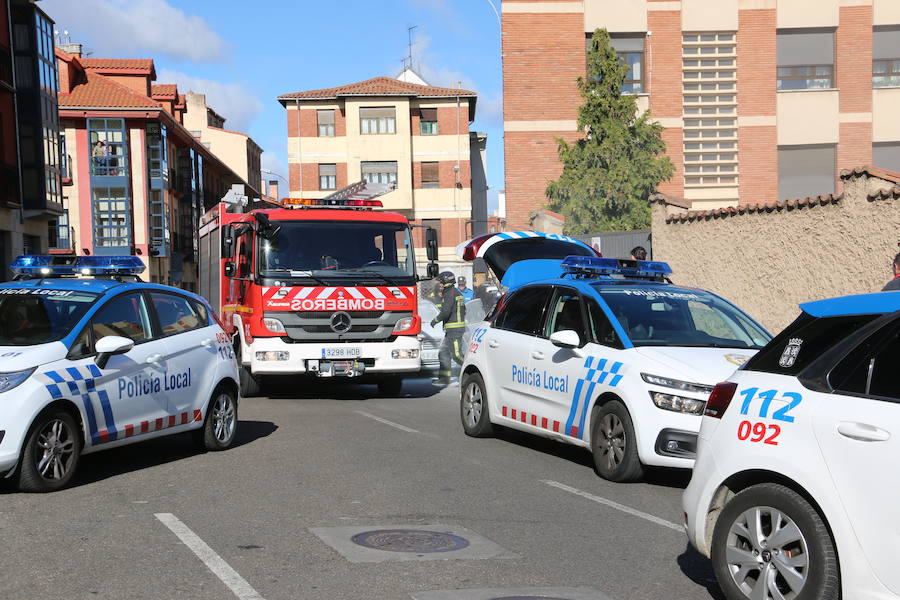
x: 473, y: 404
x: 55, y: 450
x: 612, y: 443
x: 223, y: 418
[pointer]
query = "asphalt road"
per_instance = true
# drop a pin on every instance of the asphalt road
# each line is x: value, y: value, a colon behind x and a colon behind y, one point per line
x: 159, y: 520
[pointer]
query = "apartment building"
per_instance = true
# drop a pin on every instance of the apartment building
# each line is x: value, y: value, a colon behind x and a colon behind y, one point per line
x: 386, y: 130
x: 136, y: 179
x: 29, y: 131
x: 761, y: 100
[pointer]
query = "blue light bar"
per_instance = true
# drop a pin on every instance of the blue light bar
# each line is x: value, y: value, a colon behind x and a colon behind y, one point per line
x: 63, y: 266
x: 594, y: 266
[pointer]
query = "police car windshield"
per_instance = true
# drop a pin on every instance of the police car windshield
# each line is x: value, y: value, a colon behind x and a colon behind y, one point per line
x: 338, y: 249
x: 30, y: 316
x: 670, y: 316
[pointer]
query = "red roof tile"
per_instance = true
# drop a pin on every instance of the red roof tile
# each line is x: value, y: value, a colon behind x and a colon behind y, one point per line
x: 130, y: 64
x: 696, y: 215
x: 870, y: 170
x: 101, y: 92
x: 380, y: 86
x: 164, y: 89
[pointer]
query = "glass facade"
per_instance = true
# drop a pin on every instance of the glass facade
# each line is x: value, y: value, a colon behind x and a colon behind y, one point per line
x: 110, y: 201
x: 109, y: 150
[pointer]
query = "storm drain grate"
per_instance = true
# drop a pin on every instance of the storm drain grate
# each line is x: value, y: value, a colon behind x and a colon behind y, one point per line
x: 410, y: 540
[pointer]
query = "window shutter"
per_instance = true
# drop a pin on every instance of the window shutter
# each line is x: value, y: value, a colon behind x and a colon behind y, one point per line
x: 327, y: 169
x: 326, y: 117
x: 379, y: 112
x: 429, y: 172
x: 428, y: 114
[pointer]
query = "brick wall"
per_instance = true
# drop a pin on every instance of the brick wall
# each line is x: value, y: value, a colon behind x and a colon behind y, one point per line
x: 853, y: 72
x: 666, y: 102
x: 543, y: 55
x: 756, y: 95
x: 446, y: 175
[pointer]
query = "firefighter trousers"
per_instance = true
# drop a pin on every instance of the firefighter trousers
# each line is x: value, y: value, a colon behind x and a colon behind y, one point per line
x: 451, y: 350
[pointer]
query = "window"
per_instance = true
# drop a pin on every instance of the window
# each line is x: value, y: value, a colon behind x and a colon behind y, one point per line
x: 325, y: 120
x: 124, y: 316
x: 175, y: 313
x: 886, y: 156
x: 630, y: 50
x: 870, y: 369
x: 327, y: 177
x: 109, y: 155
x: 602, y: 331
x: 428, y: 121
x: 805, y: 171
x: 523, y: 312
x: 379, y: 172
x: 805, y: 59
x: 377, y: 120
x: 430, y: 175
x: 565, y: 314
x: 59, y: 232
x: 111, y: 217
x: 886, y: 57
x: 156, y: 150
x: 159, y: 223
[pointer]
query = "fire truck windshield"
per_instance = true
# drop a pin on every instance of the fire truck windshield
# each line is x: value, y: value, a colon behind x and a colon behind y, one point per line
x: 338, y: 249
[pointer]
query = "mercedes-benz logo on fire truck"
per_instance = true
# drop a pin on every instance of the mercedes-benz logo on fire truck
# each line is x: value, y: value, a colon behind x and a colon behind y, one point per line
x: 340, y: 322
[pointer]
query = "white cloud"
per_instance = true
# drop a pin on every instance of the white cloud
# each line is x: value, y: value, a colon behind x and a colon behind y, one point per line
x: 116, y: 27
x: 233, y: 101
x: 489, y: 110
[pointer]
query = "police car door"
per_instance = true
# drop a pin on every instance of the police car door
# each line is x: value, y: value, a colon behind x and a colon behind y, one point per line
x: 191, y: 352
x: 127, y: 391
x: 858, y: 429
x: 508, y: 345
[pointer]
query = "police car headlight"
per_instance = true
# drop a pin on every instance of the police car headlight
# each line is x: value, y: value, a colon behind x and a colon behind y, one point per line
x: 273, y: 325
x: 684, y: 386
x: 10, y: 380
x: 680, y: 404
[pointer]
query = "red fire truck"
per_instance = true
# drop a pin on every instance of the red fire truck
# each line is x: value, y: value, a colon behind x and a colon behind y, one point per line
x: 323, y: 287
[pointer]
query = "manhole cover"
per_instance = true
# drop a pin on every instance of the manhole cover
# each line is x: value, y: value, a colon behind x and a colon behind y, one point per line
x: 409, y: 540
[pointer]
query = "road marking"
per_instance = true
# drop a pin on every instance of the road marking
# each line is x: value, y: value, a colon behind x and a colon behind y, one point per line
x: 625, y: 509
x: 386, y: 422
x: 213, y: 561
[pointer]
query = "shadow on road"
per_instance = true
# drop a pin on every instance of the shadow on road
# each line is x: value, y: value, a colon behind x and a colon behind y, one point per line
x: 305, y: 388
x: 699, y: 569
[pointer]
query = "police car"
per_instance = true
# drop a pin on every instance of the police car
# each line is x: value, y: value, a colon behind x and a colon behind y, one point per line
x: 600, y: 353
x: 795, y: 490
x: 94, y: 363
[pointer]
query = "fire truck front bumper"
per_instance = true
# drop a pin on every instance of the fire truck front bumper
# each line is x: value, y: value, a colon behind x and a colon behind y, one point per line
x: 272, y: 356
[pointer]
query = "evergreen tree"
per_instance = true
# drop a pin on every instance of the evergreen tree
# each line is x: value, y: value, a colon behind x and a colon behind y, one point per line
x: 609, y: 173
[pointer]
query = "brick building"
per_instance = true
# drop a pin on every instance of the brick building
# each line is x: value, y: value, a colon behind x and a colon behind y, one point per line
x: 390, y: 131
x: 760, y: 99
x: 29, y: 131
x: 136, y: 179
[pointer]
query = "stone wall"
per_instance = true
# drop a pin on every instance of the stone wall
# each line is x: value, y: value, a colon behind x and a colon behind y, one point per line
x: 767, y: 259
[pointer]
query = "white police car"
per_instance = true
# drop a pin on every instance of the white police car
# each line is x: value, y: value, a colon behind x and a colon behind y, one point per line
x: 600, y: 353
x: 89, y: 364
x: 796, y: 486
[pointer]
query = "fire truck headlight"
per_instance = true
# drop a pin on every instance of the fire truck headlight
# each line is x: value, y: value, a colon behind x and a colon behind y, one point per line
x: 273, y: 325
x: 404, y: 353
x: 403, y: 324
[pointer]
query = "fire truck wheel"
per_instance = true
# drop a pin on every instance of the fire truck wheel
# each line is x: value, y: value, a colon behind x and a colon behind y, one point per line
x: 250, y: 384
x: 390, y: 386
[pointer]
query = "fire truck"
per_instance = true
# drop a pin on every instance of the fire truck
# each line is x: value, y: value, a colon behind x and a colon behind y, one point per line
x: 319, y: 287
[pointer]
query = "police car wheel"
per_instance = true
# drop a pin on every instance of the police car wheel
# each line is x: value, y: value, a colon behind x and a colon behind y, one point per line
x: 50, y: 454
x: 613, y: 444
x: 390, y: 386
x: 473, y: 407
x: 767, y: 538
x: 220, y: 425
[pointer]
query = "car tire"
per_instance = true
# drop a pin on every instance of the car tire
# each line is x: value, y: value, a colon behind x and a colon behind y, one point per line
x: 251, y: 386
x: 614, y: 444
x: 812, y: 544
x: 390, y: 386
x: 473, y: 407
x: 51, y: 453
x: 220, y: 426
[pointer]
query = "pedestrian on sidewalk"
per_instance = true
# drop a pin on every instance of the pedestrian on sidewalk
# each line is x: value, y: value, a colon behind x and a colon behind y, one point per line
x: 894, y: 284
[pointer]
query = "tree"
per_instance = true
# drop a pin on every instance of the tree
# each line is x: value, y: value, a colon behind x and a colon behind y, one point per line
x: 609, y: 173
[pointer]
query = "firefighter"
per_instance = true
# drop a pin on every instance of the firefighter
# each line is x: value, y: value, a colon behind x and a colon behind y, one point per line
x: 453, y: 316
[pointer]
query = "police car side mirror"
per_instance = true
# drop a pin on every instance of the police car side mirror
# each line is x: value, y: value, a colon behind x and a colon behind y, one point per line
x: 110, y: 345
x: 565, y: 339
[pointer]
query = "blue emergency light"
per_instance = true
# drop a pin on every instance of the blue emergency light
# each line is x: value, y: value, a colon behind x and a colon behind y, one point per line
x: 70, y: 266
x: 594, y: 266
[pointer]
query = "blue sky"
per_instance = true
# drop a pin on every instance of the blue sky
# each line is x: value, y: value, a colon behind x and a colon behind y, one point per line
x: 244, y: 54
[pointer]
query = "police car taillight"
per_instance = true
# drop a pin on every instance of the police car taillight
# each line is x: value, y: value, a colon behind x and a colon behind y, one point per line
x: 719, y: 399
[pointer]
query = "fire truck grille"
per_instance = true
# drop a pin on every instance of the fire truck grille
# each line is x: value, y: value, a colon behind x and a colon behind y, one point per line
x: 308, y: 326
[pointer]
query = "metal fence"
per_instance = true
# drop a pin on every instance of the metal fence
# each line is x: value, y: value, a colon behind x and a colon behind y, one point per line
x: 618, y: 244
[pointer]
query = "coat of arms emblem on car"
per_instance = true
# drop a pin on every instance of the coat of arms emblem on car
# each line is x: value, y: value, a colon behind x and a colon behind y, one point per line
x: 789, y: 356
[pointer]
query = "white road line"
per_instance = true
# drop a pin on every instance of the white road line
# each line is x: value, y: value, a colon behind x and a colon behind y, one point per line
x: 625, y: 509
x: 386, y: 422
x: 213, y: 561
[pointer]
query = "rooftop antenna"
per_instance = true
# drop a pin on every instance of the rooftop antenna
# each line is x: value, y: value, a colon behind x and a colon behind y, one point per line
x: 409, y: 33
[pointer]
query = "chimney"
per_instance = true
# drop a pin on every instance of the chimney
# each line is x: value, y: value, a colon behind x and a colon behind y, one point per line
x: 73, y: 49
x: 273, y: 188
